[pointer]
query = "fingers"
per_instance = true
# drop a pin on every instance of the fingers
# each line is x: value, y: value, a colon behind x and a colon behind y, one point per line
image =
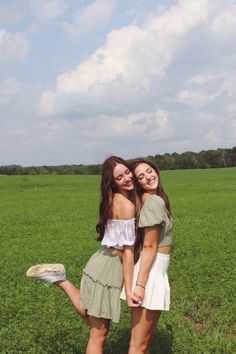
x: 136, y: 298
x: 134, y: 304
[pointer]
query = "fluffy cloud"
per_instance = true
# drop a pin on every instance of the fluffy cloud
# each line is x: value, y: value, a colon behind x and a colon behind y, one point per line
x: 170, y: 78
x: 136, y: 124
x: 45, y: 10
x: 130, y: 60
x: 13, y: 46
x: 163, y: 83
x: 88, y: 18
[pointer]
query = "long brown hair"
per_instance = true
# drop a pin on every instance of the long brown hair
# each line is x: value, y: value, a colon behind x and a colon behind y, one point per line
x: 160, y: 189
x: 108, y: 189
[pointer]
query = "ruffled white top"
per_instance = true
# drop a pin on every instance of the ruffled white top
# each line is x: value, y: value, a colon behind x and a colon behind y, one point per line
x: 119, y: 233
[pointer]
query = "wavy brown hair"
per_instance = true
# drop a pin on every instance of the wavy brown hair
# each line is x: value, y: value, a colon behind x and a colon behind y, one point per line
x: 160, y: 191
x: 108, y: 189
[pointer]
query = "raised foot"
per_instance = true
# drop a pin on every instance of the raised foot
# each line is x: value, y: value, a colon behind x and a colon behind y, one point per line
x: 49, y: 273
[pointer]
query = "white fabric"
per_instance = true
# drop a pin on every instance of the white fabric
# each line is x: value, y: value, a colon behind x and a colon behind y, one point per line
x: 157, y: 292
x: 119, y: 233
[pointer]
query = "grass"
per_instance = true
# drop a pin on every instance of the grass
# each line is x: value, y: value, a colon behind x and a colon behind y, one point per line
x: 52, y: 219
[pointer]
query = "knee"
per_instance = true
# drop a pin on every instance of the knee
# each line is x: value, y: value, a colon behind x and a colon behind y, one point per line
x: 140, y: 345
x: 99, y: 337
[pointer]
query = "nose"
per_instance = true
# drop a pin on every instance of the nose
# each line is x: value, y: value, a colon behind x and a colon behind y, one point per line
x: 127, y: 178
x: 147, y: 177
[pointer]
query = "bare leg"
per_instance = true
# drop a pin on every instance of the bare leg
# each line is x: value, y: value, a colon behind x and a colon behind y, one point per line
x: 143, y: 325
x: 73, y: 294
x: 98, y: 334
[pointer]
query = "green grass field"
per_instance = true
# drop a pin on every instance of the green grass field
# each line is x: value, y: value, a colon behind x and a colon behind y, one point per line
x: 52, y: 219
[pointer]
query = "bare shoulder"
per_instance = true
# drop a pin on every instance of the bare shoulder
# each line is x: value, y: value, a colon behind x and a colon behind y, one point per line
x: 145, y: 197
x: 122, y: 207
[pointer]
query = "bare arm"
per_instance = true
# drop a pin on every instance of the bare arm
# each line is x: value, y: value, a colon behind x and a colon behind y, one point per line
x: 150, y: 245
x: 124, y: 209
x: 128, y: 267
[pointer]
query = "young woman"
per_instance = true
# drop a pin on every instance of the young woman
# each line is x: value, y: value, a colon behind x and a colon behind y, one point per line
x: 150, y: 280
x: 98, y: 300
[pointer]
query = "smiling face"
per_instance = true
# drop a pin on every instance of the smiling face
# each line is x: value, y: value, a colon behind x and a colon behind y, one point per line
x: 147, y: 177
x: 123, y: 178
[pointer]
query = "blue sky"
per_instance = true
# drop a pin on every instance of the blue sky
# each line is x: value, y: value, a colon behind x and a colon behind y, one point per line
x: 81, y: 80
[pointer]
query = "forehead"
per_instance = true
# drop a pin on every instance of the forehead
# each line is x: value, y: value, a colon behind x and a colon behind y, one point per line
x: 141, y: 168
x: 119, y: 169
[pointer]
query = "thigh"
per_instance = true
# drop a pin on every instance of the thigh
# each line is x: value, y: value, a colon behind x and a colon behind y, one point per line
x: 143, y: 325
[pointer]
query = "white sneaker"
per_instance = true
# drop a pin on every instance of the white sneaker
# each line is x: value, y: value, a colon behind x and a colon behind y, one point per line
x: 49, y: 273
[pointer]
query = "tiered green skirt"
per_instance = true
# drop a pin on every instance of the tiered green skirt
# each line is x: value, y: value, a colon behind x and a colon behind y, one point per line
x: 101, y: 285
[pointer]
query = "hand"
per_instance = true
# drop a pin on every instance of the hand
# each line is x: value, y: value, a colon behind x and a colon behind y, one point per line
x: 132, y: 300
x: 139, y: 293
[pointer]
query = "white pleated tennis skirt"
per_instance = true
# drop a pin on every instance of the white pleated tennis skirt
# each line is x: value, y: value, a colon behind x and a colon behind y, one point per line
x: 157, y: 292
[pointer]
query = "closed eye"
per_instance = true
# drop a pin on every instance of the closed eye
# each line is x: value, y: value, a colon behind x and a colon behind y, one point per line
x: 140, y: 177
x: 118, y: 178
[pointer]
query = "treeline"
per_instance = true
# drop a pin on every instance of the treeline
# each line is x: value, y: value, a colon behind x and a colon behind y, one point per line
x: 190, y: 160
x: 186, y: 160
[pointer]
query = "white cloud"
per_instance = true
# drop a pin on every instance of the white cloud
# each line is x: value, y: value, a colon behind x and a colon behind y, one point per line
x: 10, y: 88
x: 203, y: 79
x: 47, y: 10
x: 166, y: 84
x: 130, y: 59
x: 13, y: 45
x: 194, y: 98
x: 224, y: 24
x: 149, y: 123
x: 87, y: 19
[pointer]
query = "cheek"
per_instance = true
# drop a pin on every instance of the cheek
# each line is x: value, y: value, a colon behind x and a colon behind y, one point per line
x: 142, y: 183
x: 118, y: 183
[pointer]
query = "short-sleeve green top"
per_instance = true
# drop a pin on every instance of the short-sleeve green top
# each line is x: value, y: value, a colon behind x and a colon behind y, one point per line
x: 154, y: 213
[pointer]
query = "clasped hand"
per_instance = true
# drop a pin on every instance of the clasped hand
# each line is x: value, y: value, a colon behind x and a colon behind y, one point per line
x: 135, y: 299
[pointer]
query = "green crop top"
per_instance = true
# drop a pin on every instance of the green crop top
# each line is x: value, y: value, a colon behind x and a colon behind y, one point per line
x: 153, y: 213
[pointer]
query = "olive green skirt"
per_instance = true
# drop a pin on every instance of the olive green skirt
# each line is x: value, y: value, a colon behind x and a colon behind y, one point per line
x: 101, y: 285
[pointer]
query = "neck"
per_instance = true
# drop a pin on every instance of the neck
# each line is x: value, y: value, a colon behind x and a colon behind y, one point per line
x: 154, y: 192
x: 125, y: 194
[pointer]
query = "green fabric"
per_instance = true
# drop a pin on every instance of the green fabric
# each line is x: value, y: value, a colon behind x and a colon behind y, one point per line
x: 101, y: 285
x: 154, y: 213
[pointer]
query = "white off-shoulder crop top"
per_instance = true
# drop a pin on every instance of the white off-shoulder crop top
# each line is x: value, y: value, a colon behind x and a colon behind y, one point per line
x: 119, y: 233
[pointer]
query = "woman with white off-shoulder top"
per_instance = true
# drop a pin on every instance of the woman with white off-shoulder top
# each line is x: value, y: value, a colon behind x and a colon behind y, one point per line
x: 98, y: 299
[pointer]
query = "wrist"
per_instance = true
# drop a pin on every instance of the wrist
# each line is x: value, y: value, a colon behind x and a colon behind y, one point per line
x: 140, y: 285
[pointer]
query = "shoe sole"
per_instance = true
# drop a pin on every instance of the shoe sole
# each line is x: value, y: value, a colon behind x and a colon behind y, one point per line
x: 38, y: 269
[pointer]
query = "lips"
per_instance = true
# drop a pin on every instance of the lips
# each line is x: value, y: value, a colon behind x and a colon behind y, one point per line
x: 128, y: 184
x: 152, y: 181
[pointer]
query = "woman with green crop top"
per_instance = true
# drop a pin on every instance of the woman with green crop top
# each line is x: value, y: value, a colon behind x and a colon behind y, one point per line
x: 150, y: 280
